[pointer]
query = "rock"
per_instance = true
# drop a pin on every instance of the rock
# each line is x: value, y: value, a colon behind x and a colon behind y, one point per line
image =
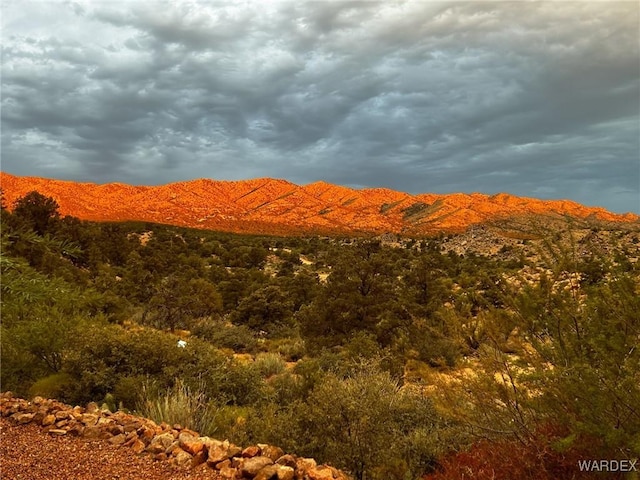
x: 92, y: 407
x: 89, y: 419
x: 229, y: 473
x: 62, y: 415
x: 234, y: 450
x: 155, y: 448
x: 164, y: 440
x: 182, y: 458
x: 131, y: 426
x: 224, y: 464
x: 146, y: 434
x: 188, y: 431
x: 194, y: 447
x: 303, y: 465
x: 39, y: 416
x: 138, y: 447
x: 217, y: 454
x: 284, y: 472
x: 95, y: 432
x: 272, y: 452
x: 320, y: 473
x: 251, y: 466
x: 48, y: 420
x: 267, y: 473
x: 76, y: 430
x: 252, y: 451
x: 115, y: 429
x: 117, y: 439
x: 57, y: 431
x: 199, y: 458
x: 185, y: 436
x: 287, y: 460
x: 130, y: 440
x: 22, y: 418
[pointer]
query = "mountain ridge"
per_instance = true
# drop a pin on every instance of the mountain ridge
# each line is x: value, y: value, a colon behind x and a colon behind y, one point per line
x: 268, y: 205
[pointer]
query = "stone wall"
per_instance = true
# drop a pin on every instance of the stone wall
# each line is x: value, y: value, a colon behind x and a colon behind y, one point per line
x: 163, y: 442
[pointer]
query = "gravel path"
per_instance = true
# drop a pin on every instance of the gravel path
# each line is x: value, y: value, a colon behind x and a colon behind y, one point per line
x: 26, y: 453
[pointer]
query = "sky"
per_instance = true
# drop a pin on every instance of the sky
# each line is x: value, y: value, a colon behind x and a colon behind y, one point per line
x: 537, y: 99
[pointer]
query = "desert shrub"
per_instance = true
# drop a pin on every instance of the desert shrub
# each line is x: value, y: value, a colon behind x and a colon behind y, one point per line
x: 506, y: 459
x: 237, y: 384
x: 291, y: 349
x: 269, y: 364
x: 363, y: 422
x: 128, y: 391
x: 52, y: 386
x: 181, y: 405
x: 238, y: 338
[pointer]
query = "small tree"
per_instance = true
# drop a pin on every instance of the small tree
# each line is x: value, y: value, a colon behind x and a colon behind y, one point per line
x: 39, y: 212
x: 177, y: 299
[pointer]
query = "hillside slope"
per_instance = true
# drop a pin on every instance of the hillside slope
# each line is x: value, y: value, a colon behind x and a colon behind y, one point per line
x: 266, y: 205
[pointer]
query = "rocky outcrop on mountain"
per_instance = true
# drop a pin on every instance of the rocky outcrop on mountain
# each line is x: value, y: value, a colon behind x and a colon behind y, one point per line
x: 171, y: 443
x: 279, y: 207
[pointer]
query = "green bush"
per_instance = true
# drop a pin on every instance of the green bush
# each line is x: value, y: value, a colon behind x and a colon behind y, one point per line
x: 269, y: 364
x: 52, y: 386
x: 180, y: 405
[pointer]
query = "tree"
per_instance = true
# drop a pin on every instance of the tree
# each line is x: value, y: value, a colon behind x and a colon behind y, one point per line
x: 178, y: 299
x: 40, y: 213
x: 265, y: 309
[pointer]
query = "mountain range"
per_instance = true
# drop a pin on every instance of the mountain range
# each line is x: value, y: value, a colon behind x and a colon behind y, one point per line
x: 273, y: 206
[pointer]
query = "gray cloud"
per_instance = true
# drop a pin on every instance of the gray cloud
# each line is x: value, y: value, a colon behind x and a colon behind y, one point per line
x: 537, y: 99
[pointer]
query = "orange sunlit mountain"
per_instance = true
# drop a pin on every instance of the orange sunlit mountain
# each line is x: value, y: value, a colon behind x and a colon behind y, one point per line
x: 274, y: 206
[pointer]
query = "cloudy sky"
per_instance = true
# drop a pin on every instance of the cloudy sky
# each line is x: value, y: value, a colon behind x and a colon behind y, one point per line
x: 539, y: 99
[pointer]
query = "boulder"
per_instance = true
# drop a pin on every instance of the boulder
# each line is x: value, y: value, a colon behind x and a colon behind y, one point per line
x: 252, y: 451
x: 193, y: 447
x: 160, y: 443
x: 117, y: 439
x: 303, y: 465
x: 274, y: 453
x: 138, y: 447
x: 229, y: 473
x: 287, y: 460
x: 76, y: 429
x: 48, y: 420
x: 182, y: 458
x: 199, y: 458
x: 284, y: 472
x: 22, y: 418
x: 320, y: 473
x: 267, y: 473
x: 217, y: 454
x: 251, y: 466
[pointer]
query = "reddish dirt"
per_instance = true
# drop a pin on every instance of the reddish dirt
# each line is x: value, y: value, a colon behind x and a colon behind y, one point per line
x: 27, y: 453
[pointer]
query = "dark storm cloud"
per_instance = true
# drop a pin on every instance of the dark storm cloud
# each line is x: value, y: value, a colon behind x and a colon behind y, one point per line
x: 537, y: 99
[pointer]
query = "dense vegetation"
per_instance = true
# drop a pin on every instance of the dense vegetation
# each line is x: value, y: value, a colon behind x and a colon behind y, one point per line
x: 390, y: 361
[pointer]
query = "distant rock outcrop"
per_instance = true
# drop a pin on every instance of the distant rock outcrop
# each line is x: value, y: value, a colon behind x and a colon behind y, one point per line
x: 279, y: 207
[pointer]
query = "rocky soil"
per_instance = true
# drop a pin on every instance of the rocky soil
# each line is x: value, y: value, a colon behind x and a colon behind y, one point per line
x: 45, y: 439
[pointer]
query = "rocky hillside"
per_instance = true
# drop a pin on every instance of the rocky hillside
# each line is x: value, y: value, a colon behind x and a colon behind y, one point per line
x: 274, y: 206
